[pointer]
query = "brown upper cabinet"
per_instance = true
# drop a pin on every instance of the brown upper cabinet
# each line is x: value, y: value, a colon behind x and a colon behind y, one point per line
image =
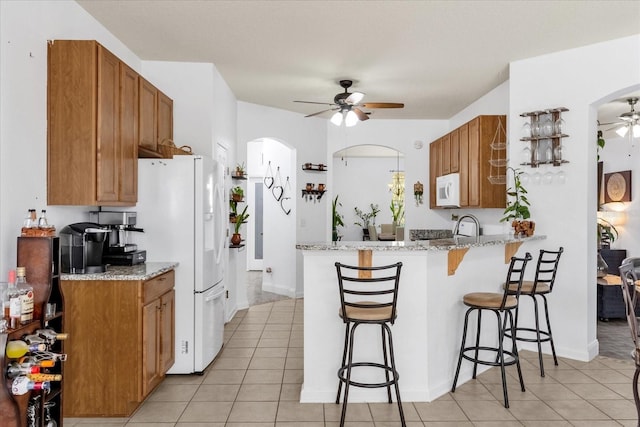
x: 156, y: 116
x: 97, y: 117
x: 467, y: 151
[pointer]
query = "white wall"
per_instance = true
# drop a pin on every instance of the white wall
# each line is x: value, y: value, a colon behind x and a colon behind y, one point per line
x: 25, y: 27
x: 622, y: 154
x: 579, y: 79
x: 307, y: 136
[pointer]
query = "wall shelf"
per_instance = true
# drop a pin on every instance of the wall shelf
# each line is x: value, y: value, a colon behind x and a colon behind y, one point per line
x: 314, y: 168
x: 312, y: 194
x: 544, y: 133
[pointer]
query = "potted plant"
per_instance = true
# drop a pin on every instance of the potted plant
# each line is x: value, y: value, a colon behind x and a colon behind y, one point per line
x: 366, y: 219
x: 517, y: 210
x: 239, y: 169
x: 337, y: 219
x: 397, y: 214
x: 236, y: 238
x: 237, y: 194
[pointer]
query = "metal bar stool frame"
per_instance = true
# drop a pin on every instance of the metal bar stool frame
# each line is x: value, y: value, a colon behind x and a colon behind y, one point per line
x: 630, y: 276
x: 541, y: 286
x: 381, y: 311
x: 502, y: 305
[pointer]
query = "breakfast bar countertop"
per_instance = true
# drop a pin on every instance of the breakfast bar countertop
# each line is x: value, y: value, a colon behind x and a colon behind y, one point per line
x: 144, y: 271
x: 448, y: 244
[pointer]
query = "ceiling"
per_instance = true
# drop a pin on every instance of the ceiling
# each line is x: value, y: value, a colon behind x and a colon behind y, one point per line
x: 436, y: 57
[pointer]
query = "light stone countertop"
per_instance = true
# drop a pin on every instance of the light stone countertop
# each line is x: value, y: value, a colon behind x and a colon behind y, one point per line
x: 419, y: 245
x: 144, y: 271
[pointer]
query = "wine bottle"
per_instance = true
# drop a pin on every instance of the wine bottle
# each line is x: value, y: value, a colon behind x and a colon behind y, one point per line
x: 40, y: 377
x: 43, y: 363
x: 26, y: 296
x: 17, y: 348
x: 51, y: 335
x: 17, y: 369
x: 22, y: 385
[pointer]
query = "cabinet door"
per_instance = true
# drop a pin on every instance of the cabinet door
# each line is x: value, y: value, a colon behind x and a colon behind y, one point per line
x: 147, y: 116
x: 150, y: 346
x: 463, y: 141
x: 165, y: 117
x: 474, y: 162
x: 455, y: 151
x: 167, y: 331
x: 108, y: 151
x: 433, y: 173
x: 446, y: 154
x: 128, y: 170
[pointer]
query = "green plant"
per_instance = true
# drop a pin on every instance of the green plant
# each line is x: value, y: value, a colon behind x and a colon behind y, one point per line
x: 337, y: 219
x: 240, y: 218
x: 397, y: 212
x: 601, y: 143
x: 240, y: 168
x: 517, y: 205
x: 367, y: 218
x: 607, y: 233
x: 238, y: 191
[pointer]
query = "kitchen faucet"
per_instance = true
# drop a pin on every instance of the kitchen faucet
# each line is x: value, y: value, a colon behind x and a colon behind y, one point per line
x: 471, y: 217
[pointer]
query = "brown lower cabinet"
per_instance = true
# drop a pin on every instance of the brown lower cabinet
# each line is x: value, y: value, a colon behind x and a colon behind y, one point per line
x: 121, y: 335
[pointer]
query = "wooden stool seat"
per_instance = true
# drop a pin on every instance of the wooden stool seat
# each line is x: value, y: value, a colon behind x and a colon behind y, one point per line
x: 488, y: 300
x: 367, y: 314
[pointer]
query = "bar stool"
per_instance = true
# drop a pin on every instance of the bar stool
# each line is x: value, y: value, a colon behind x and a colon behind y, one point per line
x: 630, y: 274
x: 502, y: 304
x: 541, y: 286
x: 368, y: 295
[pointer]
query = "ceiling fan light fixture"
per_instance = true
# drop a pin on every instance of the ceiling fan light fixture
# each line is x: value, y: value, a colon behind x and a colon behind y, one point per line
x: 622, y: 131
x: 636, y: 130
x: 336, y: 119
x: 350, y: 119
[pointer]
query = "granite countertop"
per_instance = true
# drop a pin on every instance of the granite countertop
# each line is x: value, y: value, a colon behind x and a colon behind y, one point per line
x: 144, y: 271
x: 420, y: 245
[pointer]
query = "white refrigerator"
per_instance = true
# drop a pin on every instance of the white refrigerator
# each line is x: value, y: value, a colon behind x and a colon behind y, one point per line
x: 182, y: 211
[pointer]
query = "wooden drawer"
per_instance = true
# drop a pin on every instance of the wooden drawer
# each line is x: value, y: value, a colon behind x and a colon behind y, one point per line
x: 157, y: 286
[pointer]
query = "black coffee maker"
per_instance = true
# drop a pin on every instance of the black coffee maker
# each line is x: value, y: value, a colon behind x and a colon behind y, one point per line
x: 81, y: 247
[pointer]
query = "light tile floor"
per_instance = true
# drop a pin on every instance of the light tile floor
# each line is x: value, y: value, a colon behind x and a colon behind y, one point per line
x: 255, y: 382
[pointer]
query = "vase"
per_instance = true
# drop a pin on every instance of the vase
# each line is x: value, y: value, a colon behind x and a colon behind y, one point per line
x: 236, y: 238
x: 603, y: 268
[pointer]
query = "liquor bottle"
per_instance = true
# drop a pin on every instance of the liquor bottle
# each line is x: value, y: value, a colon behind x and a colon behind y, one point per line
x: 42, y: 221
x: 17, y: 348
x: 17, y: 369
x: 26, y: 295
x: 41, y: 377
x: 22, y: 385
x: 15, y: 303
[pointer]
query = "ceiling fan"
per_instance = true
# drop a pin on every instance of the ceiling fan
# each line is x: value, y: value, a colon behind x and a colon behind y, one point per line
x: 629, y: 121
x: 347, y: 106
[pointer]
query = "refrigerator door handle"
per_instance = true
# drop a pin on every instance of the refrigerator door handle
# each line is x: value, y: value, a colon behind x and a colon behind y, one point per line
x: 222, y: 216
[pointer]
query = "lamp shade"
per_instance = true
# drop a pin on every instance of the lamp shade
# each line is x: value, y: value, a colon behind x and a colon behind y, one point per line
x: 351, y: 119
x: 636, y: 130
x: 622, y: 131
x: 336, y: 119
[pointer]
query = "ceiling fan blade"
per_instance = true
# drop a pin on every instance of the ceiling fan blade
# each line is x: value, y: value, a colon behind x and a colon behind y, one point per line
x: 610, y: 123
x: 383, y: 105
x: 362, y: 116
x: 354, y: 98
x: 320, y: 112
x: 317, y: 103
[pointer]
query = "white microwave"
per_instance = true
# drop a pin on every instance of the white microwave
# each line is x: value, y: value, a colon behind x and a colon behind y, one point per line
x: 448, y: 190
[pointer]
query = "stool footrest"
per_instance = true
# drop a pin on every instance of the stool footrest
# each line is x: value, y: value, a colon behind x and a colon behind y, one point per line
x: 513, y: 361
x: 544, y: 335
x: 393, y: 380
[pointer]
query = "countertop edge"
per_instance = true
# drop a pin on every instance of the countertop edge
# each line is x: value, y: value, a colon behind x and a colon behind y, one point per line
x: 419, y: 245
x: 144, y: 271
